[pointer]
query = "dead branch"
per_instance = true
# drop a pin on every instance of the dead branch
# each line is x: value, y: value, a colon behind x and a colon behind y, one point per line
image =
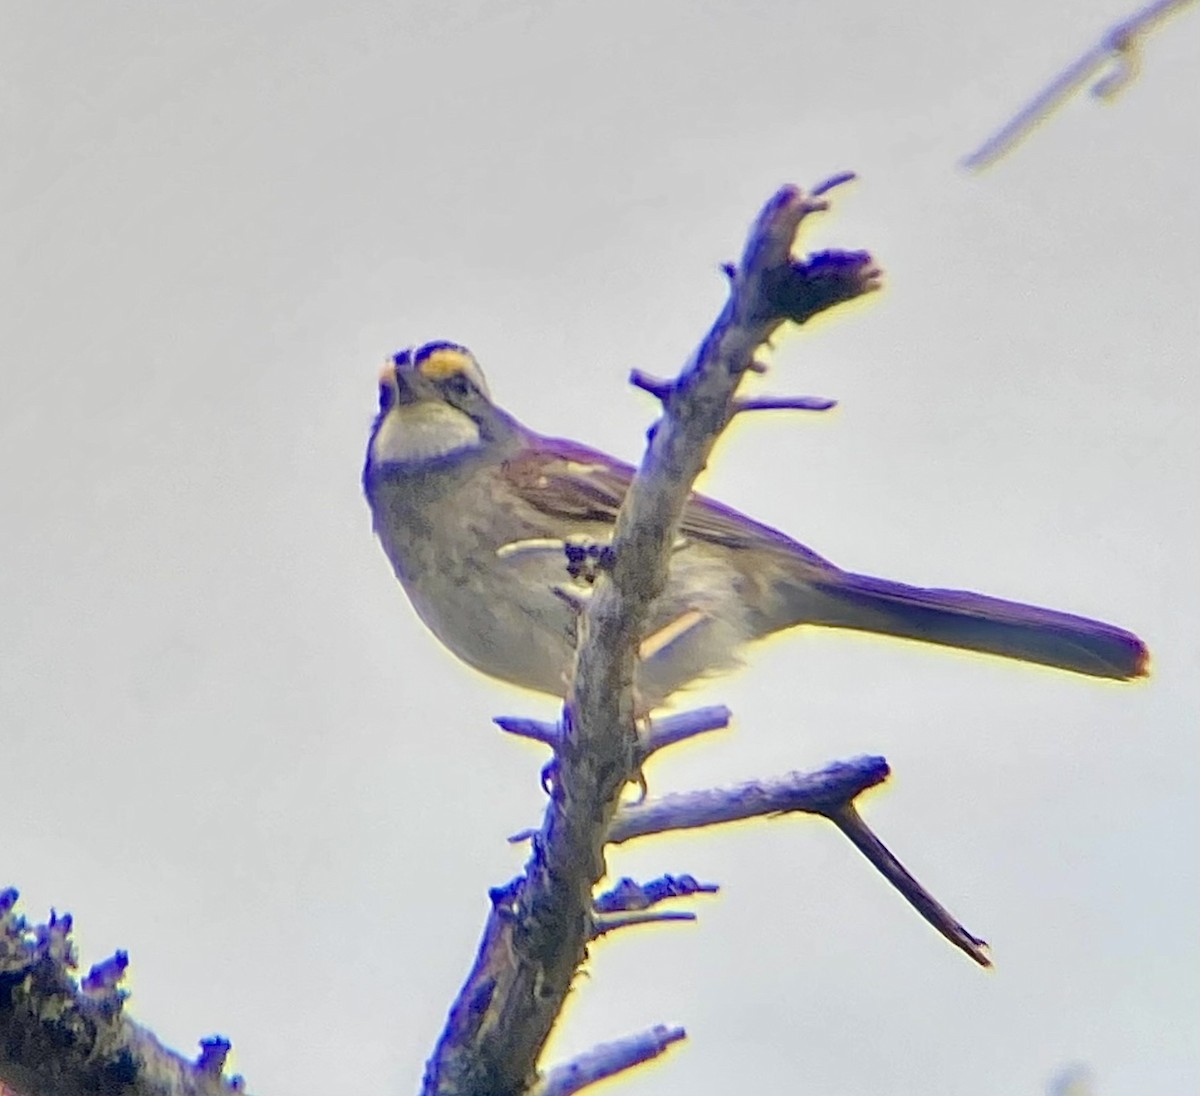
x: 541, y: 923
x: 1113, y: 63
x: 62, y: 1037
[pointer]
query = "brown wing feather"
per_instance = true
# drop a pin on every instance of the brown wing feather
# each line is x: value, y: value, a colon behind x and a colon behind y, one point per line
x: 575, y: 482
x: 581, y: 484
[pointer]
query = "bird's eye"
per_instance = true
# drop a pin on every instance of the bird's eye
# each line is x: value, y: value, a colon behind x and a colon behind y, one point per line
x: 459, y: 384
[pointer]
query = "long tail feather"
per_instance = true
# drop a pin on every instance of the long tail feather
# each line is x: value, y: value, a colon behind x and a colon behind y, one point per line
x: 956, y: 618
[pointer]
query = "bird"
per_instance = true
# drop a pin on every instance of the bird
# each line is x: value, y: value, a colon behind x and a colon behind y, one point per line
x: 476, y: 513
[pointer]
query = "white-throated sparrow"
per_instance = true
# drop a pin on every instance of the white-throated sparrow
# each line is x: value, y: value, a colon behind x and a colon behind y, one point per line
x: 475, y: 511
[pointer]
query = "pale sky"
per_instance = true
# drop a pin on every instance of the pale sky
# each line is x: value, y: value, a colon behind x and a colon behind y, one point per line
x: 233, y: 750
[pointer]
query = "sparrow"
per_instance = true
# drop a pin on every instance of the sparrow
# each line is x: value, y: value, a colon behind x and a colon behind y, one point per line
x: 475, y: 512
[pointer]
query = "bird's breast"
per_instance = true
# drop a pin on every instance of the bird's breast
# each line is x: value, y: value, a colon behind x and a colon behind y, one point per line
x: 493, y: 610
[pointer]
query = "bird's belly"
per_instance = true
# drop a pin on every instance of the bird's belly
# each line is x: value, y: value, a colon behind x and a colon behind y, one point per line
x: 518, y: 632
x: 497, y: 609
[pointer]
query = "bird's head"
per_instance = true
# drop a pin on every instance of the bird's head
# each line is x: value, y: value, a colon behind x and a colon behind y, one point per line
x: 434, y: 409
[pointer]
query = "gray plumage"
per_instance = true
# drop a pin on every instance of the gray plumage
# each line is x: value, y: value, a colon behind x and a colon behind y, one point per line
x: 473, y: 511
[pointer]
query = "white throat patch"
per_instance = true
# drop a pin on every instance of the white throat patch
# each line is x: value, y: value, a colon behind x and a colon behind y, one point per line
x: 412, y: 433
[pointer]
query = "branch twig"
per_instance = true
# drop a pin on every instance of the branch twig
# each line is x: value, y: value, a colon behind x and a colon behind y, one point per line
x: 626, y: 894
x: 848, y: 820
x: 660, y: 732
x: 1117, y: 51
x: 60, y: 1038
x: 830, y: 793
x: 822, y: 792
x: 607, y: 1059
x: 662, y: 391
x: 664, y: 731
x: 541, y: 923
x: 603, y: 924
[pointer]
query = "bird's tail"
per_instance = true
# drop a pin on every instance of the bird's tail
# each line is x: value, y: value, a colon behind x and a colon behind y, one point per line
x: 973, y: 622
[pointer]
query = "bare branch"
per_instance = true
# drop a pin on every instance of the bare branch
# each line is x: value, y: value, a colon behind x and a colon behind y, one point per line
x: 830, y: 793
x: 657, y: 387
x: 784, y: 403
x: 58, y: 1038
x: 603, y: 924
x: 822, y: 792
x: 537, y: 729
x: 664, y: 731
x: 848, y: 820
x: 1116, y: 52
x: 627, y: 894
x: 540, y: 926
x: 662, y: 391
x: 606, y: 1060
x: 656, y: 734
x: 841, y: 178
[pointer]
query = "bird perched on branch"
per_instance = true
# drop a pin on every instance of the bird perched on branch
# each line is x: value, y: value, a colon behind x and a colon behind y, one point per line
x: 476, y: 513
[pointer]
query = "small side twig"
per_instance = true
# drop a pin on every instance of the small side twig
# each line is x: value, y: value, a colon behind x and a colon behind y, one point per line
x: 821, y: 792
x: 657, y: 735
x: 657, y: 387
x: 662, y: 391
x: 539, y: 730
x: 783, y: 403
x: 830, y: 793
x: 628, y: 894
x: 1117, y: 51
x: 605, y: 923
x: 606, y: 1060
x: 849, y: 821
x: 664, y: 731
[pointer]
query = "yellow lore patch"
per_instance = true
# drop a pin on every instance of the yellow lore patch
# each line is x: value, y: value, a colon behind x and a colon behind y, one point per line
x: 446, y: 362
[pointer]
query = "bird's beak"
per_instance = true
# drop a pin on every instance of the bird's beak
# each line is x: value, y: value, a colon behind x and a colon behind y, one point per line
x: 397, y: 377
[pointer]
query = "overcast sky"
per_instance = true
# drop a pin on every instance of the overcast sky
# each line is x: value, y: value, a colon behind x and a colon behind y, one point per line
x: 230, y: 747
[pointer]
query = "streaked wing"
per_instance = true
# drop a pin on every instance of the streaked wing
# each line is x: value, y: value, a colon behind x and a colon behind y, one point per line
x: 568, y: 480
x: 575, y: 482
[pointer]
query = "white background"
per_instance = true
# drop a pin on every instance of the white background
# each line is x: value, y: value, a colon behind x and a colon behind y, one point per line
x: 229, y: 746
